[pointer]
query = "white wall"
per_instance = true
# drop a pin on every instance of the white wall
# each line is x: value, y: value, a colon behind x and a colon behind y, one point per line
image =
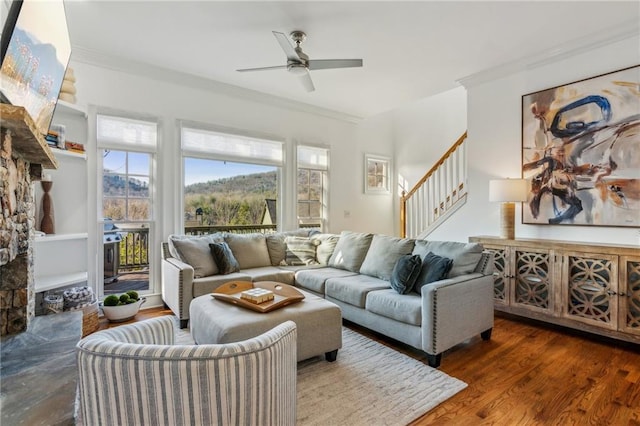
x: 424, y: 130
x: 170, y: 101
x: 494, y: 127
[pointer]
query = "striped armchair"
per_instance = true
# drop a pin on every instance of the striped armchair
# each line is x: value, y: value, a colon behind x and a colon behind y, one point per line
x: 135, y: 375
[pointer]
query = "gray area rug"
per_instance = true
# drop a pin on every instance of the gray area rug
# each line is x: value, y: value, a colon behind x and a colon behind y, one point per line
x: 369, y: 384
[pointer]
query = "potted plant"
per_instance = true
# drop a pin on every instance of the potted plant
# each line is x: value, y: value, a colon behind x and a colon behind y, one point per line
x: 123, y: 307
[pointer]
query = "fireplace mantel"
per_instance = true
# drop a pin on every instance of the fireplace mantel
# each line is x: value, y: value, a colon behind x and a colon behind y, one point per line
x: 30, y: 144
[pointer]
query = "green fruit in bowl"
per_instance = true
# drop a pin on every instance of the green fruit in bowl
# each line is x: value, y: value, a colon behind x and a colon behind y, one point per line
x: 111, y: 300
x: 133, y: 295
x: 124, y: 298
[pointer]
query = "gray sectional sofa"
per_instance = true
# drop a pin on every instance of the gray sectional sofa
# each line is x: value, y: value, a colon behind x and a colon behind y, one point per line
x: 364, y: 274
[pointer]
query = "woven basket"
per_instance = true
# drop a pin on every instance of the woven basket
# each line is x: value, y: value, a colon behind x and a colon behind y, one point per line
x: 90, y: 321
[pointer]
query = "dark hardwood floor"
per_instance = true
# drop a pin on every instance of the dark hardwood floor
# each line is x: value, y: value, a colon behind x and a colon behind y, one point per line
x: 529, y: 373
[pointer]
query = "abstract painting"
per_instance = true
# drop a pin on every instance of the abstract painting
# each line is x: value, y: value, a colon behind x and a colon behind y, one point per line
x: 581, y: 152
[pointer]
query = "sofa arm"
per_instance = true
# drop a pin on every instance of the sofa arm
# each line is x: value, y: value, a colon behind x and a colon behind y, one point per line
x: 177, y: 287
x: 454, y: 310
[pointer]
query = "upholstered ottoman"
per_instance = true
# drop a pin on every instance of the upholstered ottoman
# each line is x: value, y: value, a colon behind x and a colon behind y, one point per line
x: 319, y: 323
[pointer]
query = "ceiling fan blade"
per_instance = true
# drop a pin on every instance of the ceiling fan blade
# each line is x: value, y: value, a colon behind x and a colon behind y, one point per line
x: 323, y: 64
x: 286, y: 46
x: 305, y: 79
x: 277, y: 67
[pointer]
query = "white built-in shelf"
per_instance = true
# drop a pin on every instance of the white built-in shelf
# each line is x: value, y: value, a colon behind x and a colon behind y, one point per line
x: 52, y: 282
x: 63, y: 152
x: 71, y: 109
x: 61, y: 237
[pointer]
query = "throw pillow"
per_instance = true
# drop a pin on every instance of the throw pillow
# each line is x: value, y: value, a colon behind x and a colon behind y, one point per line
x: 326, y: 245
x: 383, y: 255
x: 195, y: 252
x: 465, y: 255
x: 350, y: 251
x: 405, y: 272
x: 277, y: 249
x: 300, y: 251
x: 434, y: 268
x: 250, y: 250
x: 224, y: 258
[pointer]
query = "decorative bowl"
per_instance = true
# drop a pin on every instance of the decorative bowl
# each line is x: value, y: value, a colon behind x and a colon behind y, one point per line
x: 122, y: 313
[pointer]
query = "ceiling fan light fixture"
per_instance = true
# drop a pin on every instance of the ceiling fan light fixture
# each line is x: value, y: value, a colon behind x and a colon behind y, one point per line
x: 297, y: 69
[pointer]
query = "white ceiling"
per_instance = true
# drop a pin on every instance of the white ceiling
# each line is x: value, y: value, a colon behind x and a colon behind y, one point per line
x: 411, y: 50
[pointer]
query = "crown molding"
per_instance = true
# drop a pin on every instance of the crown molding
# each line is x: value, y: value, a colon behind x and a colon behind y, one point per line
x: 116, y: 63
x: 574, y: 47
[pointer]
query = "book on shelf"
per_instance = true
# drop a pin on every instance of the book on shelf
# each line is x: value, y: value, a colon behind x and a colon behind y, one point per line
x: 74, y: 147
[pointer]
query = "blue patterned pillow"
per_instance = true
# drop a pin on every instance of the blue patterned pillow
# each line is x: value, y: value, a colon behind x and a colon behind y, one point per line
x: 434, y: 268
x: 224, y: 258
x: 405, y: 272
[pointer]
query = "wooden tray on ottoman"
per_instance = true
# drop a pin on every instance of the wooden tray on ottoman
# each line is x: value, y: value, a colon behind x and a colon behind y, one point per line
x: 283, y: 295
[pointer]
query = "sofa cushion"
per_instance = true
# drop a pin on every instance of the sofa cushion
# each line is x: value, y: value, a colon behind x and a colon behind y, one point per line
x: 326, y: 246
x: 195, y: 251
x: 350, y: 251
x: 406, y: 308
x: 207, y: 285
x: 383, y: 254
x: 405, y: 272
x: 300, y: 251
x: 314, y: 279
x: 224, y: 258
x: 434, y: 268
x: 270, y: 273
x: 465, y: 256
x: 249, y: 249
x: 354, y: 289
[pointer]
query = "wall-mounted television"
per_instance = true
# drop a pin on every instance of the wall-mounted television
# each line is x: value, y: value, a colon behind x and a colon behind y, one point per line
x: 34, y: 50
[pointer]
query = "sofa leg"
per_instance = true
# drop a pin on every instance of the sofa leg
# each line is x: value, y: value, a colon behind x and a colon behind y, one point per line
x: 486, y: 335
x: 183, y: 323
x: 434, y: 360
x: 164, y: 304
x: 331, y: 356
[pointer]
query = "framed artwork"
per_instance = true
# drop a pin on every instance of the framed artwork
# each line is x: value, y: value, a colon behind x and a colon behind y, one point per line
x: 377, y: 178
x: 581, y: 152
x: 35, y: 50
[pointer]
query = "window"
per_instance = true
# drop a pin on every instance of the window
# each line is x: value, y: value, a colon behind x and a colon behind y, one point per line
x: 125, y: 186
x: 231, y: 182
x: 128, y: 151
x: 313, y: 164
x: 377, y: 174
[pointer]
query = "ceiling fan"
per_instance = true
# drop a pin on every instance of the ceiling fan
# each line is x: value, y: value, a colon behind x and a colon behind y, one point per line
x: 298, y: 62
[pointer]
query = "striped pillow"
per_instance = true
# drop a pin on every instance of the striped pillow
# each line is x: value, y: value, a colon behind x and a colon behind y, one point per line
x: 301, y: 251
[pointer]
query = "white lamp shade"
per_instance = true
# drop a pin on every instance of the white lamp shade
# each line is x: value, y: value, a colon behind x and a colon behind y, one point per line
x: 508, y: 190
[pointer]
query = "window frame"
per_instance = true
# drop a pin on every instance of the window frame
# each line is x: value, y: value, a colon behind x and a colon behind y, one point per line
x: 186, y: 152
x: 386, y: 184
x: 324, y: 170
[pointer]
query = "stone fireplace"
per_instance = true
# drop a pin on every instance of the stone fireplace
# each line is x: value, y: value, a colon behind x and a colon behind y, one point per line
x: 23, y: 153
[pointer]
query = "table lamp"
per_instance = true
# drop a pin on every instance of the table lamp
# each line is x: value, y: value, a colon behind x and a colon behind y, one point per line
x: 507, y: 191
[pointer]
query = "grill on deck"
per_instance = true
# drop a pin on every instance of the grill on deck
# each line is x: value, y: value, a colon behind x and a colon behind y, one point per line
x: 111, y: 240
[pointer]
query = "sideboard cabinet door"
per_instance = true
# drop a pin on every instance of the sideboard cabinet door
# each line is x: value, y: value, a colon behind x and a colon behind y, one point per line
x: 501, y: 273
x: 532, y: 279
x: 590, y: 293
x: 630, y: 294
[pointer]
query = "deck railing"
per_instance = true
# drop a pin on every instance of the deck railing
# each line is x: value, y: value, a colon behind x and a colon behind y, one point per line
x: 238, y: 229
x: 134, y: 247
